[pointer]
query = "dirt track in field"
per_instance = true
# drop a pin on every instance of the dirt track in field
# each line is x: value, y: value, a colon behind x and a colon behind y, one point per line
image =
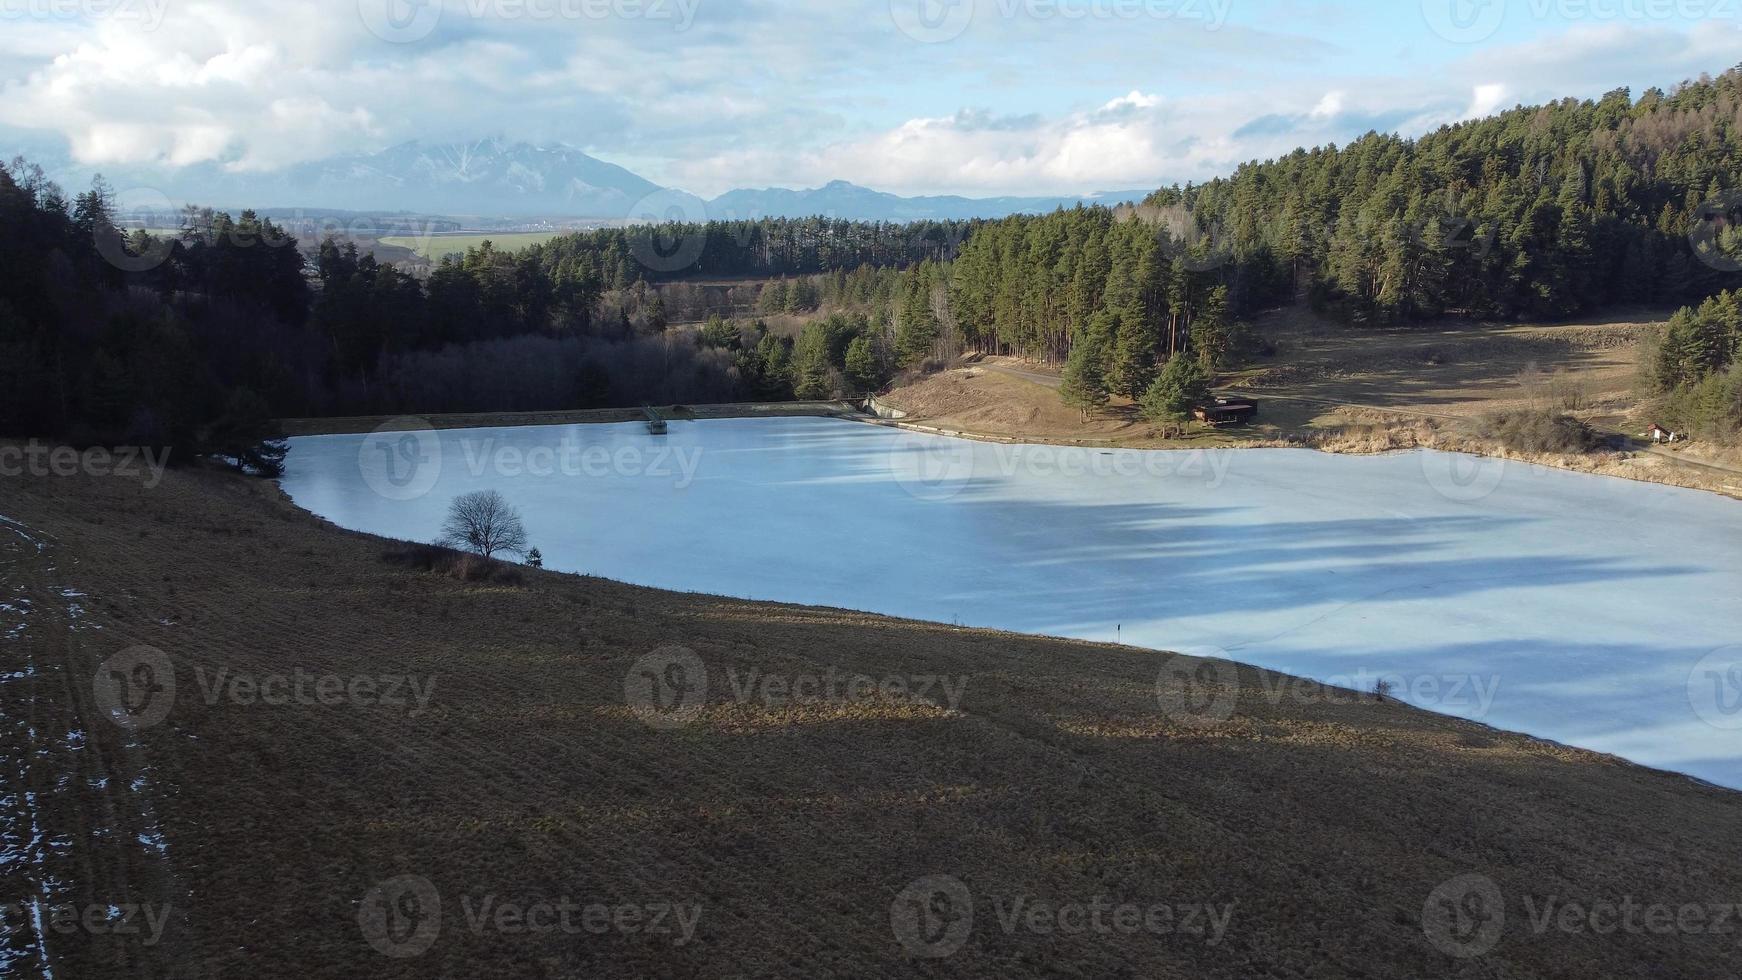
x: 1322, y: 823
x: 79, y: 813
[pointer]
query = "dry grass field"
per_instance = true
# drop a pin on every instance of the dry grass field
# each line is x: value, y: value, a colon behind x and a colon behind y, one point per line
x: 1346, y: 389
x: 436, y: 247
x: 747, y: 833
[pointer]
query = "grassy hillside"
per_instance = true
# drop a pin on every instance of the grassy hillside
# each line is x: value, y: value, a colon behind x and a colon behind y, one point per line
x: 437, y: 247
x: 1316, y: 827
x: 1370, y: 389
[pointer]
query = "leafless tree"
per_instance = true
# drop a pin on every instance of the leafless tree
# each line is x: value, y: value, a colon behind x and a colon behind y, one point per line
x: 484, y: 522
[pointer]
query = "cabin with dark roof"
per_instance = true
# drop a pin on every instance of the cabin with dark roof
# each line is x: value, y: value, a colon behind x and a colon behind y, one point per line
x: 1227, y: 411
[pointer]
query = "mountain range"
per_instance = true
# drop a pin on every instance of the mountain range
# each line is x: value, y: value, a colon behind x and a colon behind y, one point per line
x: 497, y: 179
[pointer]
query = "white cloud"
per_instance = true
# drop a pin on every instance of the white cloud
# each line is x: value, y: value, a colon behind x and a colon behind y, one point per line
x: 1486, y: 100
x: 761, y: 92
x: 1136, y: 100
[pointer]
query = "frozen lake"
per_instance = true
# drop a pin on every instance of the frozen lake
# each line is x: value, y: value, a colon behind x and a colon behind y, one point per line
x: 1598, y: 612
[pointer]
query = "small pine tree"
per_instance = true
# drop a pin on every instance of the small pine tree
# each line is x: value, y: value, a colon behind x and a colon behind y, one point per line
x: 861, y: 364
x: 535, y: 558
x: 1085, y: 378
x: 917, y: 336
x: 1182, y: 385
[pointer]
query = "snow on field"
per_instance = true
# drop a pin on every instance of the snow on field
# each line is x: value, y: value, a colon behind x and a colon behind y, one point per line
x: 1598, y: 612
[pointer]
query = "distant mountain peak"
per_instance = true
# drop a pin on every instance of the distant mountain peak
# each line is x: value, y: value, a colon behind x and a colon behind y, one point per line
x: 497, y: 177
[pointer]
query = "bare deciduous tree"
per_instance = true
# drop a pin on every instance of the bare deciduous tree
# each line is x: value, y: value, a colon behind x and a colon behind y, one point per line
x: 484, y: 522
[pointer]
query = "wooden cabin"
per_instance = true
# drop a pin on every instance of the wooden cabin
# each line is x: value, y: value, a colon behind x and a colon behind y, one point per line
x: 1227, y: 411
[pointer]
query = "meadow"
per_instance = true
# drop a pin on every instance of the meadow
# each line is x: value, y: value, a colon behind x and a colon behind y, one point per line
x: 437, y: 247
x: 820, y: 828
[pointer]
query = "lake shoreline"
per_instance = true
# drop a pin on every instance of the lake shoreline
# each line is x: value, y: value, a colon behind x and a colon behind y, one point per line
x: 1284, y: 560
x: 1682, y: 473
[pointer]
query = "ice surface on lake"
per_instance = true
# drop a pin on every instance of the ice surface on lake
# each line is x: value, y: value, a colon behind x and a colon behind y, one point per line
x: 1594, y: 611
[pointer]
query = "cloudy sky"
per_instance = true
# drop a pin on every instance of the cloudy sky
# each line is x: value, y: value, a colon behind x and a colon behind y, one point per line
x: 913, y: 96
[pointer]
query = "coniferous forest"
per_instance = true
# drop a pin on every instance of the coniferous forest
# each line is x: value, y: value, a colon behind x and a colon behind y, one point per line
x: 1537, y: 213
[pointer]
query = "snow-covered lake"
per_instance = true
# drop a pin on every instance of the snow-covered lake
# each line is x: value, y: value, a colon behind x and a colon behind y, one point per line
x: 1598, y: 612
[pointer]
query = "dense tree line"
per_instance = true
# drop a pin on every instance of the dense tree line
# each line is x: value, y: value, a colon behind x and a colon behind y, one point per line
x: 196, y: 341
x: 766, y: 248
x: 1035, y: 285
x: 1696, y: 366
x: 874, y: 328
x: 1538, y: 212
x: 111, y: 338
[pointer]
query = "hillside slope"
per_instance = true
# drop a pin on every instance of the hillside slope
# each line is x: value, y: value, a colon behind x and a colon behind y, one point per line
x: 1314, y: 829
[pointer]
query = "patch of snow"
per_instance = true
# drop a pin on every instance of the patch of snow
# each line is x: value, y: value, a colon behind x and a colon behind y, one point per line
x: 24, y: 532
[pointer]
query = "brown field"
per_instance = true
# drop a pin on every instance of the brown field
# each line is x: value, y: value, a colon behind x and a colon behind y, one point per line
x: 1453, y: 369
x: 1322, y: 823
x: 1347, y: 389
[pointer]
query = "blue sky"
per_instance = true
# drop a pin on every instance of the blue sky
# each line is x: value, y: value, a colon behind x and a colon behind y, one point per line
x: 912, y: 96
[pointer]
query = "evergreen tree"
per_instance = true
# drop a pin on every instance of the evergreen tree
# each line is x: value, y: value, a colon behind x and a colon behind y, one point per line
x: 1085, y: 379
x: 861, y: 365
x: 1134, y: 356
x: 1182, y: 386
x: 918, y: 333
